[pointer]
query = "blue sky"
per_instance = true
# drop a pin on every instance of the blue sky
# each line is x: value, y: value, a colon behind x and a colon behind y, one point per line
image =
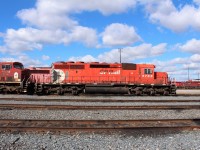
x: 165, y: 32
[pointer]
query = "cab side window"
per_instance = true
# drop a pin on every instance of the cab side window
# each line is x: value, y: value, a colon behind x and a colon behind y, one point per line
x: 6, y: 67
x: 147, y: 71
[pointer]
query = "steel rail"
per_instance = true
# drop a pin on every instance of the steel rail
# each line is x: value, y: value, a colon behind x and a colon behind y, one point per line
x: 100, y: 100
x: 6, y: 124
x: 85, y: 107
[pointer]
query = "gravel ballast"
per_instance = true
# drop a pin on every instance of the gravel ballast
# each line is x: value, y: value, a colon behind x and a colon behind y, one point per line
x: 100, y: 140
x: 99, y: 114
x: 113, y: 140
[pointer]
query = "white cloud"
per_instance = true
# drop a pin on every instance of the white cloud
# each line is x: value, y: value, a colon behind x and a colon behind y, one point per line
x: 45, y: 57
x: 103, y: 6
x: 195, y: 58
x: 49, y: 23
x: 178, y: 60
x: 24, y: 39
x: 1, y: 34
x: 118, y: 34
x: 196, y: 2
x: 53, y: 23
x: 26, y: 60
x: 51, y: 13
x: 7, y: 59
x: 180, y: 67
x: 166, y: 14
x: 192, y: 46
x: 158, y: 49
x: 128, y: 53
x: 87, y: 58
x: 3, y: 49
x: 35, y: 35
x: 41, y: 18
x: 191, y: 66
x: 85, y: 35
x: 144, y: 51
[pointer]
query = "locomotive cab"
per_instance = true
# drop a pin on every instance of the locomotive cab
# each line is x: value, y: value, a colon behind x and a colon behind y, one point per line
x: 146, y: 73
x: 11, y: 71
x: 12, y: 77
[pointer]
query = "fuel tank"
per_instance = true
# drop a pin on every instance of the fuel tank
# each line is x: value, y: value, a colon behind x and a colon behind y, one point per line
x: 105, y: 89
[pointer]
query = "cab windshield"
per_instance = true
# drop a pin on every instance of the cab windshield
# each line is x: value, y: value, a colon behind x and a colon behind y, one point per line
x: 18, y: 66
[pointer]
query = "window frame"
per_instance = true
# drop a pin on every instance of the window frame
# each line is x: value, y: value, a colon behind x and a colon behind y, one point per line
x: 6, y: 67
x: 148, y: 71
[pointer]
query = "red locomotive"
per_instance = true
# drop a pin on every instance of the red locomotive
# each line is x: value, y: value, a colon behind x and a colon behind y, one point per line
x: 80, y: 77
x: 12, y: 77
x: 190, y: 84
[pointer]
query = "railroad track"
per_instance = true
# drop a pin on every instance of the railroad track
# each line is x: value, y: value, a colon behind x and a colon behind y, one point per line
x: 85, y: 107
x: 24, y: 125
x: 46, y: 125
x: 100, y: 100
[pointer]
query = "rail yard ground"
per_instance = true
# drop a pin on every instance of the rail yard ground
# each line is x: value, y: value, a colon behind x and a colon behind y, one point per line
x: 14, y: 135
x: 188, y: 92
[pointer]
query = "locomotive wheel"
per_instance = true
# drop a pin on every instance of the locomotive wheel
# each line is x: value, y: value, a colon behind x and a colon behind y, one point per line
x: 129, y: 92
x: 19, y: 91
x: 74, y: 92
x: 152, y: 93
x: 60, y: 92
x: 39, y: 93
x: 166, y: 93
x: 138, y: 93
x: 46, y: 92
x: 30, y: 92
x: 4, y: 91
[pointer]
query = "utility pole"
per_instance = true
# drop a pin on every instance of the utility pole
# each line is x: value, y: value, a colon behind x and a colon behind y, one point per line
x: 120, y: 55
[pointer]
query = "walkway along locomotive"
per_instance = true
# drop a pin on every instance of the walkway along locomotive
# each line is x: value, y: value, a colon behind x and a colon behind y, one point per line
x: 80, y: 77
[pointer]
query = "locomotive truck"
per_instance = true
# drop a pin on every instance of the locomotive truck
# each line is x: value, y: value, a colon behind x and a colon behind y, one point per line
x: 81, y: 77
